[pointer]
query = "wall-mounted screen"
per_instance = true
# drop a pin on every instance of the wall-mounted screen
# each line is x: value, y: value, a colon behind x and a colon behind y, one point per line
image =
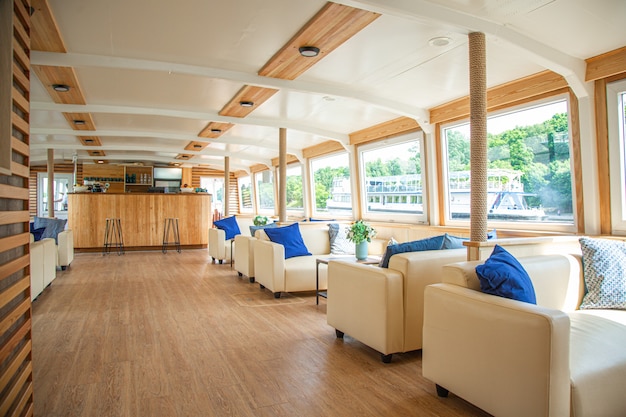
x: 168, y: 173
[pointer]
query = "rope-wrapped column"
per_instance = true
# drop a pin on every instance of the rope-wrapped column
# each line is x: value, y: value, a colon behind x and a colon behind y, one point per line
x: 282, y: 170
x: 478, y: 136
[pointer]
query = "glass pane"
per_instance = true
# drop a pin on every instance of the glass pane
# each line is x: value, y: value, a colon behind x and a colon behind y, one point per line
x: 265, y: 190
x: 245, y: 193
x: 529, y: 172
x: 393, y: 178
x: 331, y: 185
x: 294, y: 187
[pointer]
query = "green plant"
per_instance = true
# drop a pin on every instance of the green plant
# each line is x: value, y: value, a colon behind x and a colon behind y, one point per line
x: 259, y: 220
x: 360, y: 231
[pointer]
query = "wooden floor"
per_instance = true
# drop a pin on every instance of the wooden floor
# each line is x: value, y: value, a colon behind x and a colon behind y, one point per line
x: 152, y: 334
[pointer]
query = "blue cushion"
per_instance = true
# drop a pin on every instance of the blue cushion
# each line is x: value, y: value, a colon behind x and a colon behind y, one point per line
x: 229, y: 226
x: 52, y: 227
x: 503, y: 275
x: 431, y: 243
x: 291, y: 238
x: 36, y: 232
x: 253, y: 229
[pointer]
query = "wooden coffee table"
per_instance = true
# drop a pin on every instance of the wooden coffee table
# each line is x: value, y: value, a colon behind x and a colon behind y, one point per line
x: 370, y: 260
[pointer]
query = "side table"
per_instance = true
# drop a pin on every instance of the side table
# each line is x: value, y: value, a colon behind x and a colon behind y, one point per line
x: 370, y: 260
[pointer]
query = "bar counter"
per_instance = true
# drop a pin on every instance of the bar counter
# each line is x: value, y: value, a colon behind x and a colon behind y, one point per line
x: 142, y: 218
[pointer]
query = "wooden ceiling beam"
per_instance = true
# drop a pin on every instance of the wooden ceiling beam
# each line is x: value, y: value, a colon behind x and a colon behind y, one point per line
x: 252, y: 94
x: 328, y: 29
x: 214, y: 130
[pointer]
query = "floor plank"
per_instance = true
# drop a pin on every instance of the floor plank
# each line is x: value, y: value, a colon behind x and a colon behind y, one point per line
x: 152, y: 334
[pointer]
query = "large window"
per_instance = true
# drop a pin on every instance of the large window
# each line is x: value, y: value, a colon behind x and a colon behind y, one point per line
x: 529, y: 169
x: 616, y: 111
x: 392, y: 181
x: 61, y: 186
x: 245, y: 194
x: 295, y: 200
x: 265, y: 191
x: 331, y: 189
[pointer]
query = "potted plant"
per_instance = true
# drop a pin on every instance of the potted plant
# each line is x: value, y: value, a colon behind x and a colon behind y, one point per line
x: 361, y: 234
x: 260, y: 220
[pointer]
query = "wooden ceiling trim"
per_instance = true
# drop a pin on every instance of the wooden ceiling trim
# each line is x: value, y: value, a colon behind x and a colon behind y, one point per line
x: 606, y: 65
x: 258, y: 168
x: 214, y: 130
x: 290, y: 159
x: 49, y: 75
x: 85, y: 117
x: 384, y: 130
x: 45, y: 35
x: 90, y: 140
x: 322, y: 149
x: 196, y: 146
x: 328, y: 29
x: 257, y: 95
x: 498, y: 96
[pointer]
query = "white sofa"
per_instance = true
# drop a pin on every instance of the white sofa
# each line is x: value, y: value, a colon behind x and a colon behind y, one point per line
x: 43, y: 265
x: 65, y: 248
x: 512, y: 358
x: 383, y: 307
x: 219, y: 248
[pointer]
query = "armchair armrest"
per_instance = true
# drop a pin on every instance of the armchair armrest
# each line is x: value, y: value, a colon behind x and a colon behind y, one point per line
x: 269, y: 265
x: 244, y: 255
x: 217, y: 245
x: 505, y: 356
x: 366, y: 303
x: 65, y: 248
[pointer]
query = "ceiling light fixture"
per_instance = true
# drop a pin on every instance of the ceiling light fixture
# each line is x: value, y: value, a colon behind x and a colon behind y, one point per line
x: 79, y: 122
x: 197, y: 145
x: 88, y: 140
x: 214, y: 130
x: 246, y: 103
x: 61, y: 88
x: 440, y: 41
x: 309, y: 51
x: 100, y: 161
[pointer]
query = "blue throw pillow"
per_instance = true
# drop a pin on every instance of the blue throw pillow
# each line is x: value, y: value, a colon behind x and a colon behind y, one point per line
x: 36, y: 232
x: 503, y: 275
x: 52, y: 227
x: 253, y: 229
x: 229, y: 226
x: 431, y: 243
x: 291, y: 239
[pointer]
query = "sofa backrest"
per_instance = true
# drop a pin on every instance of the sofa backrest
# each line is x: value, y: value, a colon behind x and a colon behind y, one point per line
x: 314, y: 234
x: 557, y: 279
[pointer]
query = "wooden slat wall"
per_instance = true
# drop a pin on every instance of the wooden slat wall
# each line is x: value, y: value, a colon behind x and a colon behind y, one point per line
x: 16, y: 377
x: 58, y: 168
x: 233, y: 196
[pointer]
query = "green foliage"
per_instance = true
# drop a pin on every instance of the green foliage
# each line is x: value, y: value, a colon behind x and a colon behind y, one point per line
x: 260, y: 220
x: 360, y: 231
x: 540, y: 152
x: 324, y: 183
x: 294, y: 192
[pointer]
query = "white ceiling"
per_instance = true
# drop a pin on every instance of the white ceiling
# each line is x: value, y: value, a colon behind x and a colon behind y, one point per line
x: 154, y: 73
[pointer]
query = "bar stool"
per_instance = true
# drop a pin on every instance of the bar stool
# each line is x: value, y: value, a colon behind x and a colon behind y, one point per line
x: 171, y: 225
x: 113, y: 236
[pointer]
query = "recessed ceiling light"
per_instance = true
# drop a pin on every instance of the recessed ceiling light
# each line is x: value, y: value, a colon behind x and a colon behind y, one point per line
x: 100, y: 161
x: 61, y: 88
x: 440, y: 41
x: 214, y: 130
x: 197, y: 145
x: 309, y: 51
x: 79, y: 122
x: 246, y: 103
x: 88, y: 140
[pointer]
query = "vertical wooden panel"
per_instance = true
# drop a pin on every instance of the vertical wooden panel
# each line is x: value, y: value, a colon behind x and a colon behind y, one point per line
x: 602, y: 143
x: 16, y: 394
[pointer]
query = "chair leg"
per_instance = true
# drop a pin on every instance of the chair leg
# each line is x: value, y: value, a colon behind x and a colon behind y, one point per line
x: 441, y: 391
x: 339, y: 334
x: 385, y: 358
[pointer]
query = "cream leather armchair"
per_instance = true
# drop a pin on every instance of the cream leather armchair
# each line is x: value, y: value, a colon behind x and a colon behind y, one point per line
x: 65, y: 248
x: 383, y: 307
x: 43, y: 264
x: 516, y: 359
x: 244, y: 256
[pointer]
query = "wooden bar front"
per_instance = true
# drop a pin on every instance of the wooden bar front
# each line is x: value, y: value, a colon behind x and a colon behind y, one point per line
x: 142, y: 217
